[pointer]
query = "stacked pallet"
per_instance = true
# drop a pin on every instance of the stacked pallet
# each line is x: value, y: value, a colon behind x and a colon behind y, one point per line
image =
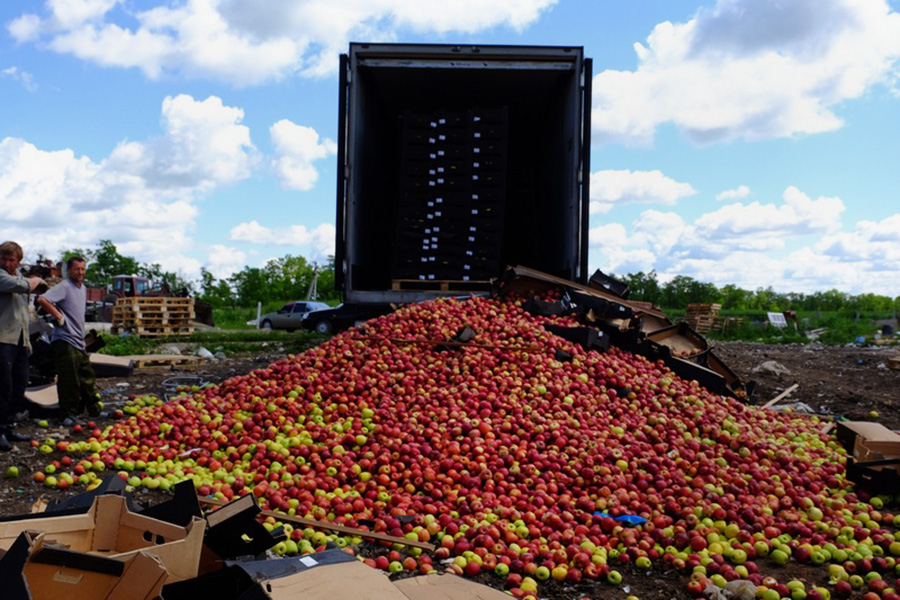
x: 154, y: 317
x: 701, y: 317
x: 726, y: 324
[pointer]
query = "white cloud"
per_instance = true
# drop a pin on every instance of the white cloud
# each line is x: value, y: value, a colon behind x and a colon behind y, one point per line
x: 753, y: 69
x: 247, y: 43
x: 142, y: 197
x: 295, y: 149
x: 742, y: 191
x: 612, y: 187
x: 747, y: 245
x: 224, y: 261
x: 317, y: 243
x: 23, y: 77
x: 799, y: 215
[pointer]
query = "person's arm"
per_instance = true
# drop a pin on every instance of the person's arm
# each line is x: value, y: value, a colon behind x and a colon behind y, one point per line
x: 51, y: 308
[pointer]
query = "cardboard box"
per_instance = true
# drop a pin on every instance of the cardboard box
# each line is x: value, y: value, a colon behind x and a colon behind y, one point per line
x: 109, y: 529
x: 868, y: 441
x: 35, y: 570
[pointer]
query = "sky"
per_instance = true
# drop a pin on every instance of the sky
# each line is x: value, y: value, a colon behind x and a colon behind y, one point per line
x: 746, y: 142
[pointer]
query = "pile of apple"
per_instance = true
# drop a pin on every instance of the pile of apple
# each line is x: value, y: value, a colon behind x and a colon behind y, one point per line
x: 518, y: 453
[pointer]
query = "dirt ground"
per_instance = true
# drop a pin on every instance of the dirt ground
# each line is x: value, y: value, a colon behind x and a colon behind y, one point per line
x: 850, y: 382
x: 846, y: 381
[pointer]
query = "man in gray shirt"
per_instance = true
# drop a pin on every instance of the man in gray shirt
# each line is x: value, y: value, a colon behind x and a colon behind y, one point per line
x: 14, y: 343
x: 75, y: 377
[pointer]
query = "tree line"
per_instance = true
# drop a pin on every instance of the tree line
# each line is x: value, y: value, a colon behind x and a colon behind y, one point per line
x: 289, y: 278
x: 682, y: 290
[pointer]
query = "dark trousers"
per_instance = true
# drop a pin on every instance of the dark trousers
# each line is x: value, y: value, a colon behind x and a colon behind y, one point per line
x: 13, y: 380
x: 74, y: 379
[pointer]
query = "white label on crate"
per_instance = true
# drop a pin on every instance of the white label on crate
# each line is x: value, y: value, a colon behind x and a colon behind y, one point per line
x: 433, y: 124
x: 430, y: 204
x: 477, y: 134
x: 442, y: 137
x: 474, y: 211
x: 474, y: 196
x: 440, y: 152
x: 442, y: 121
x: 471, y: 238
x: 432, y: 156
x: 440, y: 169
x: 431, y: 140
x: 437, y: 213
x: 424, y: 259
x: 430, y: 216
x: 477, y: 164
x: 431, y: 172
x: 477, y: 118
x: 431, y: 277
x: 472, y: 228
x: 431, y: 184
x: 438, y: 200
x: 466, y: 267
x: 421, y: 277
x: 426, y: 247
x: 431, y: 258
x: 474, y: 177
x: 436, y: 229
x: 469, y: 253
x: 428, y: 230
x: 465, y: 277
x: 434, y: 239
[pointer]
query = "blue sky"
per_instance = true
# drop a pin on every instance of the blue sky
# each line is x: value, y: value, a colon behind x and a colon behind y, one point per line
x: 751, y: 142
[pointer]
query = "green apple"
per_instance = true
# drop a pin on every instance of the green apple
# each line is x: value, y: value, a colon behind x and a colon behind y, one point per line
x: 12, y: 471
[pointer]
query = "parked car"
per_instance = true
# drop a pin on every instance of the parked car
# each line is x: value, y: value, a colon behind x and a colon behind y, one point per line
x: 343, y: 316
x: 289, y: 316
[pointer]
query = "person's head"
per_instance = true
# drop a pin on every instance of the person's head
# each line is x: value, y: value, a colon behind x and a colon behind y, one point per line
x: 75, y: 268
x: 10, y: 257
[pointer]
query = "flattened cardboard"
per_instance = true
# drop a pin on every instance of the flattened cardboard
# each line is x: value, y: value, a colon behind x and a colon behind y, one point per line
x: 331, y: 574
x: 446, y: 587
x: 44, y: 396
x: 344, y: 581
x: 110, y: 529
x: 111, y: 366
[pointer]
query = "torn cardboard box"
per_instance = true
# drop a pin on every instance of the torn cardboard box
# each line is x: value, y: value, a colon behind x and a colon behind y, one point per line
x: 110, y: 529
x: 874, y: 462
x: 34, y: 569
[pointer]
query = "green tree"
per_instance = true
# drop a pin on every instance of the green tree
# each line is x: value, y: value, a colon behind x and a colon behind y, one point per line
x: 734, y: 297
x: 215, y: 291
x: 644, y: 287
x: 104, y: 263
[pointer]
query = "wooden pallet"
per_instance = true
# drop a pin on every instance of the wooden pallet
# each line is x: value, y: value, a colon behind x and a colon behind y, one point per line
x: 166, y: 360
x: 153, y: 331
x: 440, y: 285
x: 154, y: 316
x: 151, y: 300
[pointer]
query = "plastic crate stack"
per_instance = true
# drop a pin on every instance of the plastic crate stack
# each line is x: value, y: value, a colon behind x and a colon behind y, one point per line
x: 453, y: 192
x: 154, y: 316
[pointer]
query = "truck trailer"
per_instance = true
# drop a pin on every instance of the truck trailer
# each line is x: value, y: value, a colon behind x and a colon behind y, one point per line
x: 455, y: 161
